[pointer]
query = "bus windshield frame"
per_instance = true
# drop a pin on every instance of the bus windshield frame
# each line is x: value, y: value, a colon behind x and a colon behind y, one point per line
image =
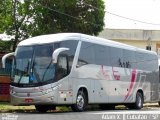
x: 32, y: 66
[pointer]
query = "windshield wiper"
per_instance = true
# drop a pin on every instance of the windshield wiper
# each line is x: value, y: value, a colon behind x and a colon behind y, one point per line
x: 28, y: 67
x: 21, y: 75
x: 34, y: 72
x: 46, y: 70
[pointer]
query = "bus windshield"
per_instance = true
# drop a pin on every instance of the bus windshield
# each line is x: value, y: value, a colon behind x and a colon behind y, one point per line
x: 33, y: 65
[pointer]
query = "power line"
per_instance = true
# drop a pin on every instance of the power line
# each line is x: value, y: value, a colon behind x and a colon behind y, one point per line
x: 77, y: 18
x: 131, y: 19
x: 123, y: 16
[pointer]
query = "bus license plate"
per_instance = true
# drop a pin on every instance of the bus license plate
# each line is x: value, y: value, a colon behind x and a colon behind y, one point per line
x: 28, y: 100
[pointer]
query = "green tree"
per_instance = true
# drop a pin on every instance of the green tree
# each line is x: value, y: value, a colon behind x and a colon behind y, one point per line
x: 5, y: 14
x: 13, y: 17
x: 52, y: 16
x: 5, y: 46
x: 25, y: 18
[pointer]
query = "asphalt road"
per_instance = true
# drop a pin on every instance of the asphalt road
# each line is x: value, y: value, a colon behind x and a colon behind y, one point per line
x: 152, y: 113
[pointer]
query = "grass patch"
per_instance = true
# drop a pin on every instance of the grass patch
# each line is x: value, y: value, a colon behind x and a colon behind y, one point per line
x: 6, y: 107
x: 63, y: 108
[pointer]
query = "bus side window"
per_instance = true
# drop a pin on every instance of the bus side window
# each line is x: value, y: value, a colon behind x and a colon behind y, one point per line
x: 72, y: 45
x: 86, y: 55
x: 129, y: 58
x: 102, y: 55
x: 62, y: 67
x: 140, y: 61
x: 116, y: 57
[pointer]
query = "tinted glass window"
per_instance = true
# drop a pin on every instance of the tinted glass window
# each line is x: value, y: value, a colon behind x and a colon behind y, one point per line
x: 61, y: 67
x: 86, y: 55
x: 43, y: 69
x: 116, y: 57
x: 44, y: 51
x: 72, y: 45
x: 139, y: 56
x: 151, y: 62
x: 102, y: 56
x: 140, y: 61
x: 24, y: 52
x: 129, y: 60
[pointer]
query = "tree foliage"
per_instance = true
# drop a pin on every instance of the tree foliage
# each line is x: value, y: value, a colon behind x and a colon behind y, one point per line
x: 84, y: 16
x: 13, y: 15
x: 36, y: 17
x: 5, y: 46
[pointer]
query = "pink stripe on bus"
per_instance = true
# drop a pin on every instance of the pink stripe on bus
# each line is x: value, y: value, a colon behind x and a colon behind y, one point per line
x: 131, y: 84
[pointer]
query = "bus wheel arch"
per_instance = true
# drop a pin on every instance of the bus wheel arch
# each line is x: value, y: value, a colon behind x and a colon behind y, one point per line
x: 81, y: 100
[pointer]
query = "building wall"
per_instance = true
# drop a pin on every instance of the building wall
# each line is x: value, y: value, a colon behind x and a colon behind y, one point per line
x: 137, y: 38
x: 139, y: 44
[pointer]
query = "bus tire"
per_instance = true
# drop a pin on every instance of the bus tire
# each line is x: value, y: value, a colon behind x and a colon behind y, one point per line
x: 138, y: 103
x: 44, y: 108
x: 81, y: 102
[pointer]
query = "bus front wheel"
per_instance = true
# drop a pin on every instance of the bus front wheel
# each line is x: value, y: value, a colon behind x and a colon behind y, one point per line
x: 81, y: 102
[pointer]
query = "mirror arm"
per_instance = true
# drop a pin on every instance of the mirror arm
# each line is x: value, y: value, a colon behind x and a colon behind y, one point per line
x: 56, y: 53
x: 5, y: 57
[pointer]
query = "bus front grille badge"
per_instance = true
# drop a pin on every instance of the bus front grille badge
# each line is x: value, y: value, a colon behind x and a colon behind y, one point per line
x: 28, y: 94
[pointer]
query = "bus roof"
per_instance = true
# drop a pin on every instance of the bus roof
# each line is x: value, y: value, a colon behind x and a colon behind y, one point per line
x: 43, y: 39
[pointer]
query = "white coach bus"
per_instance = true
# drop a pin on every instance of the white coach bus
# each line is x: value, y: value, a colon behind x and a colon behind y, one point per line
x: 75, y: 70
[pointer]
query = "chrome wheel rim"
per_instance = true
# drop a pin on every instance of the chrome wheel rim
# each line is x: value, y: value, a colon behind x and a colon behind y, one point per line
x: 139, y: 101
x: 80, y: 101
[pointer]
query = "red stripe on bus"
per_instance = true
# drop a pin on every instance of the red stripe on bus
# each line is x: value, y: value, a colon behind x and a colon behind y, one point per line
x: 131, y: 84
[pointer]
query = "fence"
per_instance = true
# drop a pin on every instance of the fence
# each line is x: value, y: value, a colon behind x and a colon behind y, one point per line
x: 5, y: 82
x: 4, y: 88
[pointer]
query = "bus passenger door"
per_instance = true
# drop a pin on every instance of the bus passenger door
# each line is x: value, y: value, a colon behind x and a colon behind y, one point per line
x: 62, y: 77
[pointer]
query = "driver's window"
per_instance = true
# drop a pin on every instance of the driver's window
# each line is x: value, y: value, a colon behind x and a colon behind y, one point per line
x: 61, y: 67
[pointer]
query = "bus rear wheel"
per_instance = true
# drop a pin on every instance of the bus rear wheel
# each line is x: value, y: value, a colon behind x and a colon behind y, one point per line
x: 44, y: 108
x: 81, y: 102
x: 139, y: 102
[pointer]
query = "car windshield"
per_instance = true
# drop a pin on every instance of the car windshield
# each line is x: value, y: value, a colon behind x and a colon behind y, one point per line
x: 33, y: 64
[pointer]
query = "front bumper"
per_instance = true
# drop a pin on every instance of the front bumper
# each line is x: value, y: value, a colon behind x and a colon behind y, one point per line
x: 34, y: 98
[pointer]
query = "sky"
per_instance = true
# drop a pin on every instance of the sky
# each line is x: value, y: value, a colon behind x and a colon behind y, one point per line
x: 147, y: 11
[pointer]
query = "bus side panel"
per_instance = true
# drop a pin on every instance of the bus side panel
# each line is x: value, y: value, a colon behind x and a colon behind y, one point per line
x: 146, y: 76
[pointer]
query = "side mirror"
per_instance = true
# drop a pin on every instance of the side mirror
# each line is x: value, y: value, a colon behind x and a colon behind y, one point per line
x: 56, y: 53
x: 5, y: 57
